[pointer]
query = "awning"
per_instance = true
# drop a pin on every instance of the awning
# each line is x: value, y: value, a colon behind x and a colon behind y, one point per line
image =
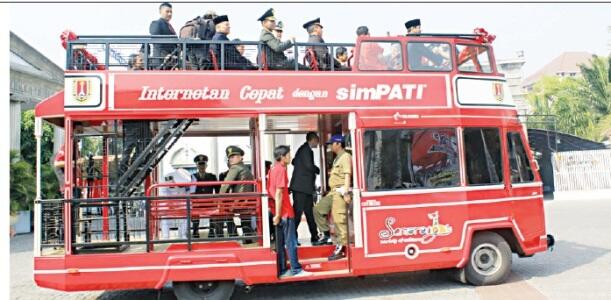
x: 52, y: 109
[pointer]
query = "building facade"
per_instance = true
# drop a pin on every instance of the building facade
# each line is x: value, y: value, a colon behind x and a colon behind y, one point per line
x: 33, y: 77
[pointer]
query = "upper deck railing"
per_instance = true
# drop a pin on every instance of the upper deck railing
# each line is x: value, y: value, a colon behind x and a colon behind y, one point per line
x: 470, y: 53
x: 93, y: 52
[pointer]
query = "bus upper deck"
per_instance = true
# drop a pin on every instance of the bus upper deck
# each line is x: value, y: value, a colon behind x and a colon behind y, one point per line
x: 440, y: 73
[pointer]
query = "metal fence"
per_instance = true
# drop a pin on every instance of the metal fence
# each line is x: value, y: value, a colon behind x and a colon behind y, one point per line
x: 170, y: 53
x: 582, y: 170
x: 114, y: 224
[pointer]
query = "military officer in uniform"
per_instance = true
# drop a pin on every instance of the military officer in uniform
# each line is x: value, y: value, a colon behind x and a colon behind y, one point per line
x: 314, y: 29
x: 237, y: 172
x: 201, y: 175
x: 273, y: 47
x: 337, y: 199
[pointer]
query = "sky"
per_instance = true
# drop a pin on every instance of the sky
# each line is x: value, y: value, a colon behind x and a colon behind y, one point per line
x: 542, y: 31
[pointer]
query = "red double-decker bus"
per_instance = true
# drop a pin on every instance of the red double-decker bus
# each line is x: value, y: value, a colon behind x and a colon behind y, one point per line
x: 443, y: 176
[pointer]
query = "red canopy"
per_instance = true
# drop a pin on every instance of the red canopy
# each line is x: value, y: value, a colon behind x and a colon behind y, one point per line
x: 52, y: 109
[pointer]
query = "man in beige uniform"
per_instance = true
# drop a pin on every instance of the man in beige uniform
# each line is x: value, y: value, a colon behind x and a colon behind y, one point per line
x: 337, y: 200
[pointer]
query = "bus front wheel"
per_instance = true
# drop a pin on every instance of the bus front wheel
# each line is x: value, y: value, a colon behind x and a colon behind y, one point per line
x: 213, y: 290
x: 489, y: 259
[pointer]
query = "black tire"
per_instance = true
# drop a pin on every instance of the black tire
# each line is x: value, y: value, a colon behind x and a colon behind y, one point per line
x: 209, y: 290
x: 489, y: 259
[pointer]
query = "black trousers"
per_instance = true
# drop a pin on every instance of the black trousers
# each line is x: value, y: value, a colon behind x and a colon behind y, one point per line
x: 304, y: 203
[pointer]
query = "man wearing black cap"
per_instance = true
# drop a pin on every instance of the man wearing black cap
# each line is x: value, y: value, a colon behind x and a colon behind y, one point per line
x: 413, y: 26
x: 237, y: 172
x: 417, y: 51
x: 232, y: 59
x: 162, y: 26
x: 273, y: 47
x: 201, y: 175
x: 314, y: 29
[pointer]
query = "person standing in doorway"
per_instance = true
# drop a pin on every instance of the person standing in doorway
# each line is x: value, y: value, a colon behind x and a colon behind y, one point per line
x: 303, y: 183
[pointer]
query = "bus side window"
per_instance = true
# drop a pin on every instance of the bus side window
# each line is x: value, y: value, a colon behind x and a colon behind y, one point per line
x: 429, y: 56
x: 518, y: 160
x: 398, y: 159
x: 473, y: 58
x: 483, y: 156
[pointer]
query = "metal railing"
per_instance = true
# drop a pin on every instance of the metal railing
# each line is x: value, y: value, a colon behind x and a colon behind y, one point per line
x: 139, y: 220
x: 167, y: 52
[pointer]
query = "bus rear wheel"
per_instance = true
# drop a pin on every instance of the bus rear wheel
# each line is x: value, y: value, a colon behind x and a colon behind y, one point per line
x: 212, y: 290
x: 489, y: 259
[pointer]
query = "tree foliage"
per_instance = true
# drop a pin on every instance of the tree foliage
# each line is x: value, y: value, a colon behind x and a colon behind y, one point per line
x: 581, y: 105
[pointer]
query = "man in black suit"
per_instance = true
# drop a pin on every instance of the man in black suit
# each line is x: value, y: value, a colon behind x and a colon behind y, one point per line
x: 303, y: 183
x: 232, y: 59
x: 162, y: 27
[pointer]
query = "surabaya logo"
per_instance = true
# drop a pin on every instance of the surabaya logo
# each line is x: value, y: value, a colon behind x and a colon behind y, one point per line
x: 414, y: 234
x: 81, y: 89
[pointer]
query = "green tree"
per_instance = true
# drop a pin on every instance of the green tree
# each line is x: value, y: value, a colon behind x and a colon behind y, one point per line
x: 579, y: 104
x: 28, y: 142
x: 596, y: 84
x: 23, y: 183
x: 49, y: 184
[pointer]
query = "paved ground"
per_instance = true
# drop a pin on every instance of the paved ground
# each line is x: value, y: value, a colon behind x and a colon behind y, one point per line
x: 578, y: 268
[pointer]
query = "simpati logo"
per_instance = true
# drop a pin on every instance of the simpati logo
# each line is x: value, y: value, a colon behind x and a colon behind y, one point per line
x: 497, y: 89
x: 81, y: 89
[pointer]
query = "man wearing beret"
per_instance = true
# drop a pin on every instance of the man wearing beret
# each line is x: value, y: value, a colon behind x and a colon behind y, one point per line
x: 273, y: 47
x: 237, y: 172
x: 418, y: 53
x: 232, y: 59
x: 201, y: 176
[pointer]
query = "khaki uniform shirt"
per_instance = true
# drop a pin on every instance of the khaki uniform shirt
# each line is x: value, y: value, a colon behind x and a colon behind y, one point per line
x: 342, y: 167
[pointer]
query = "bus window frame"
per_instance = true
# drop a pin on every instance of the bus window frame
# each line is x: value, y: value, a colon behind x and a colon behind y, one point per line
x: 491, y: 60
x: 502, y: 158
x: 422, y: 190
x: 431, y: 42
x: 403, y: 55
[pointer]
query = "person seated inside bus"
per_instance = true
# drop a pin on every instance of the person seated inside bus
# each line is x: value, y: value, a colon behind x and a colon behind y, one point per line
x: 371, y: 56
x: 394, y: 61
x: 170, y: 210
x: 232, y: 59
x: 428, y: 56
x: 238, y: 171
x: 337, y: 200
x: 341, y: 56
x: 135, y: 62
x: 202, y: 176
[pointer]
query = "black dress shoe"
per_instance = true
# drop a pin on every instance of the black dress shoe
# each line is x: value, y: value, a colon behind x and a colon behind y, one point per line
x: 325, y: 240
x: 339, y: 253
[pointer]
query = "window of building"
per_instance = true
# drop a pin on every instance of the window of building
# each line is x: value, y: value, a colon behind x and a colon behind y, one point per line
x: 380, y: 56
x: 518, y: 160
x: 429, y: 56
x: 473, y: 58
x: 397, y: 159
x: 483, y: 156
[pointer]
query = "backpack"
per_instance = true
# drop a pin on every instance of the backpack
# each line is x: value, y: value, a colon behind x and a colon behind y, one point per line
x: 197, y: 28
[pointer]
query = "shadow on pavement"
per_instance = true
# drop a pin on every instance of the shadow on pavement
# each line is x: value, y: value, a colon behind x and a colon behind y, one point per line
x: 565, y: 256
